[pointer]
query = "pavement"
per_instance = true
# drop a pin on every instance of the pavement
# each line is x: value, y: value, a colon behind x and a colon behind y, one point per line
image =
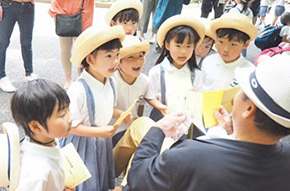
x: 46, y: 52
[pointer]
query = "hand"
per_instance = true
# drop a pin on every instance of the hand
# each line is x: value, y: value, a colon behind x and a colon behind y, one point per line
x: 163, y: 109
x: 128, y: 120
x: 224, y: 119
x: 69, y: 189
x: 107, y: 131
x: 169, y: 123
x: 1, y: 13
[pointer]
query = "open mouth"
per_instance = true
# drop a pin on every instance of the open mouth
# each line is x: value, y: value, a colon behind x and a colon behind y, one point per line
x: 182, y: 58
x: 137, y: 69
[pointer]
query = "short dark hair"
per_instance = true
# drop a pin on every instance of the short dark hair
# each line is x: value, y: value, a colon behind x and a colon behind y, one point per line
x: 285, y: 18
x: 267, y: 125
x: 233, y: 34
x: 179, y: 33
x: 113, y: 44
x: 35, y: 101
x: 127, y: 15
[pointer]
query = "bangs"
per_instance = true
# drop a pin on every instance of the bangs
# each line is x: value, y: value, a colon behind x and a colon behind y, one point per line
x: 127, y: 15
x: 113, y: 44
x: 179, y: 34
x: 232, y: 34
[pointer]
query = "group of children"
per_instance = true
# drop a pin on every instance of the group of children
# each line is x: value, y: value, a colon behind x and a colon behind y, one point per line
x: 112, y: 60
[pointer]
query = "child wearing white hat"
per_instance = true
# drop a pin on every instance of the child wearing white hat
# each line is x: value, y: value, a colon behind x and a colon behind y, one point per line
x: 41, y: 108
x: 130, y: 82
x: 93, y: 98
x: 233, y: 33
x: 126, y: 13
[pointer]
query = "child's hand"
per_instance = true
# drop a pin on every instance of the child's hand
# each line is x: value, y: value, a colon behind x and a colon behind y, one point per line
x: 163, y: 109
x: 69, y: 189
x: 107, y: 131
x: 1, y: 13
x: 224, y: 119
x: 128, y: 120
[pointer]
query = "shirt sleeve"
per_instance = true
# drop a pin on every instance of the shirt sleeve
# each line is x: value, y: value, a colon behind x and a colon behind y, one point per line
x: 284, y: 31
x: 154, y: 83
x: 77, y: 98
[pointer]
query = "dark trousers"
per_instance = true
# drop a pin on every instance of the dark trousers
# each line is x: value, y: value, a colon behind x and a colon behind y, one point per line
x: 23, y: 14
x: 207, y: 5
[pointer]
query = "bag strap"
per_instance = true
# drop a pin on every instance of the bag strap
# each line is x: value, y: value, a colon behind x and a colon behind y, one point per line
x: 82, y: 7
x: 90, y: 101
x: 162, y: 83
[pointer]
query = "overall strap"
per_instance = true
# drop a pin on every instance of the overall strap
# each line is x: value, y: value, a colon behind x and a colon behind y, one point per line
x: 162, y: 83
x: 192, y: 76
x: 90, y: 101
x: 114, y: 89
x: 82, y: 7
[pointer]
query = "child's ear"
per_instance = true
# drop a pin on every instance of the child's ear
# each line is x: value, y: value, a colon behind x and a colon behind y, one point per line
x: 167, y: 45
x: 89, y: 59
x: 35, y: 127
x: 247, y: 43
x: 113, y: 23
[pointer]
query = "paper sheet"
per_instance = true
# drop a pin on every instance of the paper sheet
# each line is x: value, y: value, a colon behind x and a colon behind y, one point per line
x: 75, y: 170
x: 228, y: 98
x: 125, y: 114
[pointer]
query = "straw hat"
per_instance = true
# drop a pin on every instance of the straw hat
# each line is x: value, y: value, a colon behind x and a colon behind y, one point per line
x: 92, y: 38
x: 236, y: 21
x: 207, y: 23
x: 132, y: 45
x: 122, y: 5
x: 177, y: 20
x: 269, y: 87
x: 9, y: 156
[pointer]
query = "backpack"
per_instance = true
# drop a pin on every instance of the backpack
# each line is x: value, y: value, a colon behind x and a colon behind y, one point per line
x: 270, y: 52
x: 269, y: 37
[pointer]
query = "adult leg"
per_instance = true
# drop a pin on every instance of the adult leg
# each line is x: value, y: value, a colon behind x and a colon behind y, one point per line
x: 66, y: 44
x: 26, y: 23
x: 206, y: 8
x: 144, y: 21
x: 6, y: 27
x: 218, y: 9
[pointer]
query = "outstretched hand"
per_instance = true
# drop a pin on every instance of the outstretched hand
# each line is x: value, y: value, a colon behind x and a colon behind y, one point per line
x: 224, y: 119
x: 169, y: 123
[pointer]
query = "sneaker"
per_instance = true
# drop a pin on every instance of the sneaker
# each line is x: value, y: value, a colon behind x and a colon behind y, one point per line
x: 30, y: 77
x: 152, y: 40
x: 6, y: 85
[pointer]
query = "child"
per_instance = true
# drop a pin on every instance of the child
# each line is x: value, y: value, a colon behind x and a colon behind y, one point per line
x: 131, y: 83
x: 203, y: 50
x: 243, y: 8
x: 126, y: 13
x: 279, y: 10
x: 263, y: 12
x: 176, y: 69
x: 285, y: 31
x: 40, y: 107
x: 234, y: 32
x: 92, y: 103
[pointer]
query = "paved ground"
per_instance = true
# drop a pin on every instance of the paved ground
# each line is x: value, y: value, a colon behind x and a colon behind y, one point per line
x: 46, y: 53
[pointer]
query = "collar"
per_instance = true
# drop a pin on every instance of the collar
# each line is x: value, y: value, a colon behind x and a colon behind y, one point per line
x: 118, y: 76
x: 233, y: 64
x: 93, y: 82
x: 40, y: 150
x: 169, y: 67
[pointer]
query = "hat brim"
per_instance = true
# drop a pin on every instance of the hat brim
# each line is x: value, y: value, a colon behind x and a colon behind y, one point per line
x: 12, y: 131
x: 234, y: 23
x: 140, y: 47
x: 91, y: 39
x: 243, y: 77
x: 179, y: 20
x: 122, y: 5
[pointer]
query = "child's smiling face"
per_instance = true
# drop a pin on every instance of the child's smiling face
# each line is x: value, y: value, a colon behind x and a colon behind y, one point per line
x: 132, y: 65
x: 180, y: 52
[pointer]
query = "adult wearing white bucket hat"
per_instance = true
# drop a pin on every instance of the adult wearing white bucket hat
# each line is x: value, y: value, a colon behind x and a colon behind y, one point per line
x: 253, y: 159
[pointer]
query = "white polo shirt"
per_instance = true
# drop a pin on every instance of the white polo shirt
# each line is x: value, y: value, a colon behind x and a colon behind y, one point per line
x: 127, y: 94
x: 103, y: 97
x: 177, y: 82
x: 41, y: 168
x: 216, y: 74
